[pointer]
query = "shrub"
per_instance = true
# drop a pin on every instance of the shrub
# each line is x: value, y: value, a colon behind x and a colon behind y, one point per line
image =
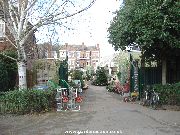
x: 8, y: 71
x: 3, y: 77
x: 110, y: 86
x: 101, y: 77
x: 88, y: 77
x: 26, y: 101
x: 169, y: 94
x: 78, y: 75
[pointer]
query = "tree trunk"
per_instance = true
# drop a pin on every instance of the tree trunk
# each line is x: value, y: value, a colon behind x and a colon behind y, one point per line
x: 164, y: 69
x: 22, y: 75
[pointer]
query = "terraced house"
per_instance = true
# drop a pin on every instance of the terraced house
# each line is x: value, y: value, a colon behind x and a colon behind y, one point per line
x: 80, y: 56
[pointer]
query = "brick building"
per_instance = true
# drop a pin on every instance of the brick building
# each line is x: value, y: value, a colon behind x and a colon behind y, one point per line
x: 4, y: 44
x: 80, y: 56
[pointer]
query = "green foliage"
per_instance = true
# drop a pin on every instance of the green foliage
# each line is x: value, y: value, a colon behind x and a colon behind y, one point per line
x: 3, y: 77
x: 8, y: 69
x: 89, y: 72
x: 44, y: 66
x: 110, y: 86
x: 101, y: 77
x: 88, y: 77
x: 152, y: 24
x: 63, y: 70
x: 72, y: 84
x: 169, y: 94
x: 26, y: 101
x: 78, y: 75
x: 119, y: 74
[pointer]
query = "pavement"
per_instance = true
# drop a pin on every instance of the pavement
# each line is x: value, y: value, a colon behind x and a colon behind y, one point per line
x: 101, y: 112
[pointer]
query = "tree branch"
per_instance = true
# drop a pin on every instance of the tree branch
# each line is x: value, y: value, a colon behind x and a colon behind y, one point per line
x: 50, y: 6
x: 52, y: 17
x: 12, y: 18
x: 30, y: 6
x: 8, y: 57
x: 10, y: 41
x: 70, y: 15
x: 51, y: 20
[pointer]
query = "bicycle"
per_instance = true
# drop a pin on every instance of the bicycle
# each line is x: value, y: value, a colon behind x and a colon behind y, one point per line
x: 147, y: 96
x: 154, y: 99
x: 151, y: 98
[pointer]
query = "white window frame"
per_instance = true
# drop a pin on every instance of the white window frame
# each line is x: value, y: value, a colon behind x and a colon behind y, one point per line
x: 78, y: 54
x: 87, y: 54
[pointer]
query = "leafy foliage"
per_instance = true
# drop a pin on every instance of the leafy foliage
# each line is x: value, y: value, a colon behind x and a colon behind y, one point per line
x: 50, y: 68
x: 152, y: 24
x: 89, y: 72
x: 26, y: 101
x: 110, y: 86
x: 169, y: 94
x: 63, y: 70
x: 77, y: 75
x: 3, y: 77
x: 8, y: 69
x: 101, y: 77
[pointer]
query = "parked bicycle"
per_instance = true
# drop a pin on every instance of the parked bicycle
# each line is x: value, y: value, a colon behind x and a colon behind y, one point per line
x: 151, y: 98
x: 154, y: 99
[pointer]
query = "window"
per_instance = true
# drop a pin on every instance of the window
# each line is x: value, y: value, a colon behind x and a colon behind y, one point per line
x: 72, y: 62
x: 87, y: 55
x: 2, y: 29
x: 78, y: 54
x: 71, y: 54
x: 62, y: 53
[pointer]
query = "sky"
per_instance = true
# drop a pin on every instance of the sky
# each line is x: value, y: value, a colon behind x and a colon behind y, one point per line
x: 91, y: 26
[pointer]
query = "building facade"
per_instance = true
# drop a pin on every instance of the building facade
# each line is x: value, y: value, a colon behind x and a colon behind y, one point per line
x: 80, y: 56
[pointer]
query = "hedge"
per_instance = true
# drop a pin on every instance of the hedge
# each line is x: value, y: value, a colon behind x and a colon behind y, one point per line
x: 169, y: 93
x: 26, y: 101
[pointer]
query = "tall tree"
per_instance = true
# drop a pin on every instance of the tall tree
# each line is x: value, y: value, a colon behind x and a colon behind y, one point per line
x: 152, y: 24
x: 19, y: 13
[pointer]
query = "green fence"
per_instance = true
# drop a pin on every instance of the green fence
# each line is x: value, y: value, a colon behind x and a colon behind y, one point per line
x: 150, y: 75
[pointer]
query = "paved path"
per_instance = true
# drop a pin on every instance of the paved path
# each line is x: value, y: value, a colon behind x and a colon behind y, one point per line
x: 102, y: 113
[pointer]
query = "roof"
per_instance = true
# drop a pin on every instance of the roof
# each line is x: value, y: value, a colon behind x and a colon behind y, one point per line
x: 78, y: 48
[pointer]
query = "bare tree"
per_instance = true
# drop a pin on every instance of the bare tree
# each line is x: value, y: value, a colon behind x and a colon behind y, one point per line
x: 19, y: 13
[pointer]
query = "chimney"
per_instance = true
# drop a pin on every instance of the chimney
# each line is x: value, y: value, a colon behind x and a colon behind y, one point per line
x: 49, y: 50
x: 66, y: 46
x: 23, y: 4
x: 83, y: 46
x: 97, y: 46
